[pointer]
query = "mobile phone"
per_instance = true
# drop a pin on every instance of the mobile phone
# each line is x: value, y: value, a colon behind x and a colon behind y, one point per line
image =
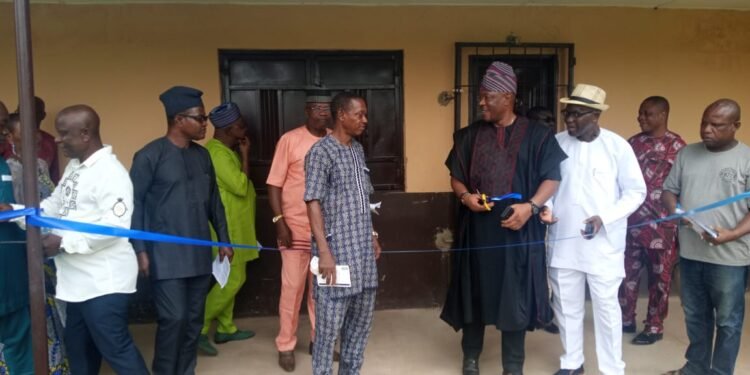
x: 588, y: 231
x: 507, y: 212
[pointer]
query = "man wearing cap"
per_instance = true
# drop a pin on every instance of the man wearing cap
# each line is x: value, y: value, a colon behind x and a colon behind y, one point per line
x: 286, y: 189
x: 238, y: 196
x: 176, y: 193
x: 651, y: 247
x: 494, y: 281
x: 601, y: 186
x: 713, y: 270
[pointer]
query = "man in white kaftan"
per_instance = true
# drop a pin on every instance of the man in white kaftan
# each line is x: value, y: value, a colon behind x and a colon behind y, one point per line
x: 601, y: 186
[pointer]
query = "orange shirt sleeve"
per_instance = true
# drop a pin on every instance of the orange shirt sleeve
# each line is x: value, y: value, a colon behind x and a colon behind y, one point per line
x: 280, y: 164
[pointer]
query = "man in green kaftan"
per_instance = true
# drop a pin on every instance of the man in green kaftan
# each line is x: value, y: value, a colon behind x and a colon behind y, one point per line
x: 238, y: 196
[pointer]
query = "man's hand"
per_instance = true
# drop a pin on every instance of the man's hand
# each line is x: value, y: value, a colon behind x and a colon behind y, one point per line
x: 51, y: 245
x: 376, y: 247
x: 143, y: 263
x: 283, y: 234
x: 596, y: 221
x: 546, y: 216
x: 521, y: 214
x: 327, y: 267
x: 724, y: 236
x: 244, y: 146
x: 226, y: 252
x: 475, y: 203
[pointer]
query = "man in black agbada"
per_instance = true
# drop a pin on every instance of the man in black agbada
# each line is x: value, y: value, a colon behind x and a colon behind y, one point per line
x: 175, y: 192
x: 494, y: 282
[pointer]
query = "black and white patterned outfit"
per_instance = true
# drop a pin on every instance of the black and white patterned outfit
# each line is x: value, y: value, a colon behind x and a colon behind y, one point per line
x: 337, y: 177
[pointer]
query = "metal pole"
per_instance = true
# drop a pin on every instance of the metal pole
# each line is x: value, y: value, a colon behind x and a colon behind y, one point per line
x: 31, y: 196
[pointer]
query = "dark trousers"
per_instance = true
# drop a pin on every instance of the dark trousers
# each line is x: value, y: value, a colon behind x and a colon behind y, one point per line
x: 15, y: 334
x: 99, y: 328
x: 713, y: 297
x: 180, y: 305
x: 513, y: 342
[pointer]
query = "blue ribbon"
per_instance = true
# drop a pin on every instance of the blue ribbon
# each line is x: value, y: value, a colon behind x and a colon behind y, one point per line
x: 33, y: 218
x: 506, y: 196
x: 8, y: 215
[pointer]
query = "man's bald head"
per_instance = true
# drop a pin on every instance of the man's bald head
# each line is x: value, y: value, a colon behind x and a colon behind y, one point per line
x: 719, y: 123
x: 83, y: 116
x: 727, y: 107
x: 78, y: 131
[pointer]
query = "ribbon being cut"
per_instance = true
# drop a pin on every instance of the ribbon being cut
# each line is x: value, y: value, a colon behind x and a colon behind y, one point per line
x: 34, y: 218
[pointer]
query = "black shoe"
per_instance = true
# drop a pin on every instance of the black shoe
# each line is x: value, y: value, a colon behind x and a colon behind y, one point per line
x: 471, y: 366
x: 647, y: 338
x: 578, y: 371
x: 628, y: 328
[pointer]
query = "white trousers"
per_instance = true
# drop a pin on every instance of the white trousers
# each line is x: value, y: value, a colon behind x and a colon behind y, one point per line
x: 569, y: 289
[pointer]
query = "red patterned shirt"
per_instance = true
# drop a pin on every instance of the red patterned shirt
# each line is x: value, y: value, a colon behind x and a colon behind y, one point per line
x: 656, y: 157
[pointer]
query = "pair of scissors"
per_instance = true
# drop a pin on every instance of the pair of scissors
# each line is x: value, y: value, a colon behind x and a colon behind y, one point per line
x: 484, y: 201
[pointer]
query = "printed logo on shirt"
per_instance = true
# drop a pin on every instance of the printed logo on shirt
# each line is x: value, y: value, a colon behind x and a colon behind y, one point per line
x: 120, y: 208
x: 728, y: 175
x: 70, y: 194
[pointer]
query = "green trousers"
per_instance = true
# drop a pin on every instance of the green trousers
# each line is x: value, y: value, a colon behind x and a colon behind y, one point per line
x: 15, y: 334
x: 220, y: 301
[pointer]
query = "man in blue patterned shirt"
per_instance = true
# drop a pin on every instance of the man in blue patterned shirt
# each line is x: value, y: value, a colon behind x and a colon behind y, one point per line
x: 337, y: 190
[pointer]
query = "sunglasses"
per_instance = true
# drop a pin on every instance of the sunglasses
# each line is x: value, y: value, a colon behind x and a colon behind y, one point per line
x: 575, y: 114
x: 199, y: 118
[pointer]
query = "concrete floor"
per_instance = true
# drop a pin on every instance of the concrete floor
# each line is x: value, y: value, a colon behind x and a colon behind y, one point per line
x: 416, y: 341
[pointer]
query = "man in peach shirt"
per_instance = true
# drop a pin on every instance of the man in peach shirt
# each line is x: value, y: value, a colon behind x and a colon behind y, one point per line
x: 286, y: 187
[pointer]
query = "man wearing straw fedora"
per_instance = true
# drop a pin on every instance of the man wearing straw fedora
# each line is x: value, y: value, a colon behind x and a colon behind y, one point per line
x: 601, y: 186
x: 498, y: 273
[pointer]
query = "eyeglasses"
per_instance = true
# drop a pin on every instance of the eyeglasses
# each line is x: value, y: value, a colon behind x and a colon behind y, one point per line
x: 575, y: 114
x: 199, y: 118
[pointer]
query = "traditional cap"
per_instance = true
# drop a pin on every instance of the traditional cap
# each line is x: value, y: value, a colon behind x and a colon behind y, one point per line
x: 318, y: 96
x: 180, y: 98
x: 224, y: 115
x: 588, y: 96
x: 500, y: 78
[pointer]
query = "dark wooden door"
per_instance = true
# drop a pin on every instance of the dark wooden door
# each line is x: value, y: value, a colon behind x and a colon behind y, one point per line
x: 269, y: 87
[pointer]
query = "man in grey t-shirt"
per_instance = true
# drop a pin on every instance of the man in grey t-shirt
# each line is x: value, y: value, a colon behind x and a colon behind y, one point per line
x: 714, y: 271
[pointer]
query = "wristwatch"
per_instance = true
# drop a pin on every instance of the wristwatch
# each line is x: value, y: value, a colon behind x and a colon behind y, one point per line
x: 534, y: 208
x: 276, y: 218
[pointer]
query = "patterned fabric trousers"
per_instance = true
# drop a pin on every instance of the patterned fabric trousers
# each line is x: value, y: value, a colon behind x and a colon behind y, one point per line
x: 659, y: 264
x: 352, y: 317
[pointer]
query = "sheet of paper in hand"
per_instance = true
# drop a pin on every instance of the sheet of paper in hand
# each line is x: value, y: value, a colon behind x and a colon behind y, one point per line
x: 221, y: 270
x: 343, y: 276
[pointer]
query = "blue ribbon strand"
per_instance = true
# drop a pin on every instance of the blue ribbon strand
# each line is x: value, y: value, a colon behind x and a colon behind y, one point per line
x: 9, y: 215
x: 33, y: 218
x: 506, y: 196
